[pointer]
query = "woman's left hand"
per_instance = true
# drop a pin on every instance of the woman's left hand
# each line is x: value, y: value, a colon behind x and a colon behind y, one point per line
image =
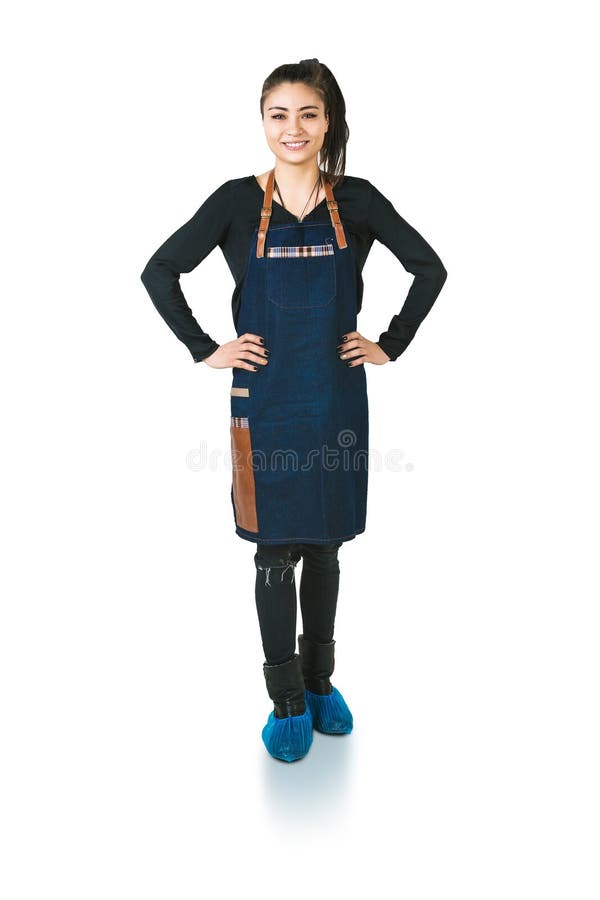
x: 357, y: 349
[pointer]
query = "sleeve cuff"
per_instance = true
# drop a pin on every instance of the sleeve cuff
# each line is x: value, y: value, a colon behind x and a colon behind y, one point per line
x: 393, y: 354
x: 200, y: 355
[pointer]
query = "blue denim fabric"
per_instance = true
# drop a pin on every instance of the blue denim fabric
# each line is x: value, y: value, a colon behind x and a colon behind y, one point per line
x: 307, y: 410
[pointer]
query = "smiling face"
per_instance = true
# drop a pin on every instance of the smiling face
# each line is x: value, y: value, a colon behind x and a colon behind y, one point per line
x: 295, y: 123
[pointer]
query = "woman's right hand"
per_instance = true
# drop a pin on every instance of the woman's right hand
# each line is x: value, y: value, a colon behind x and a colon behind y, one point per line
x: 246, y: 352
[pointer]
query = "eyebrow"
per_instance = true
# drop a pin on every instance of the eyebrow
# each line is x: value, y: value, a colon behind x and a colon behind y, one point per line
x: 300, y: 108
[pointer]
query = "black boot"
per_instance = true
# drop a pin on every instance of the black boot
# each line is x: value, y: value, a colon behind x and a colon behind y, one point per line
x: 318, y: 663
x: 285, y: 686
x: 329, y: 710
x: 288, y: 732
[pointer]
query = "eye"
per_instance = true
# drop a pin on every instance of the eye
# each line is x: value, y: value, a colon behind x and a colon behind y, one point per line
x: 311, y: 115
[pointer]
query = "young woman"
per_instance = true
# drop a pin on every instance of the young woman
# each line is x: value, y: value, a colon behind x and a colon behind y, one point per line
x: 296, y: 239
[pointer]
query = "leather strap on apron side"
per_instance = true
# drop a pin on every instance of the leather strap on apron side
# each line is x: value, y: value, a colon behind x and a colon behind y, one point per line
x: 335, y: 216
x: 267, y: 207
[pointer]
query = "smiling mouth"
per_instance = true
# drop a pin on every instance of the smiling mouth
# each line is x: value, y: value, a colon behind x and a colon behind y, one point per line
x: 294, y: 144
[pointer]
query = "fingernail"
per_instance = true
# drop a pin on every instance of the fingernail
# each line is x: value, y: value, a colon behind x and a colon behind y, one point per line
x: 267, y: 352
x: 262, y: 340
x: 255, y: 368
x: 348, y: 363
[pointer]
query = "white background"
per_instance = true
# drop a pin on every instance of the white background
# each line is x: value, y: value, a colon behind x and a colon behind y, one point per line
x: 132, y: 692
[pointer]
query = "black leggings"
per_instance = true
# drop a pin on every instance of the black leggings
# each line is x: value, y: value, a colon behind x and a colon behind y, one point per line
x: 276, y: 595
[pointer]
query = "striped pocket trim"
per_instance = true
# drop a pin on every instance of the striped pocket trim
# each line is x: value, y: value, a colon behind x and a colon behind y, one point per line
x: 306, y: 250
x: 239, y: 421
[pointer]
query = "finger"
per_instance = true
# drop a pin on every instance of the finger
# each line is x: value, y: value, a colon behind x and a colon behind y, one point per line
x: 242, y: 364
x: 358, y: 361
x: 348, y: 336
x: 249, y: 347
x: 252, y: 356
x: 254, y: 338
x: 357, y: 351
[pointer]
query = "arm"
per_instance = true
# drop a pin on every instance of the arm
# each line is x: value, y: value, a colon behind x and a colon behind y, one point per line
x: 182, y: 252
x: 417, y: 257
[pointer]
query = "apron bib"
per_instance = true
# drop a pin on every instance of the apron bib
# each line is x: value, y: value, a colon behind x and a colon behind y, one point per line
x: 299, y: 425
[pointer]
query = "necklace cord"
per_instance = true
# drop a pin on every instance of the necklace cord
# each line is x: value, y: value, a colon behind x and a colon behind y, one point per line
x: 301, y: 216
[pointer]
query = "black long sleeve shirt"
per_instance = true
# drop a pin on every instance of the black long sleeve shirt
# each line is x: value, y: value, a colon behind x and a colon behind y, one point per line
x: 228, y: 217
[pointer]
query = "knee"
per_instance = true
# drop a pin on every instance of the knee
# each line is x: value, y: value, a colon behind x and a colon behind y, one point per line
x: 277, y: 554
x: 280, y: 557
x: 322, y: 558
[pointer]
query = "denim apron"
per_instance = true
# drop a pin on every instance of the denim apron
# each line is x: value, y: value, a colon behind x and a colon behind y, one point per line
x: 299, y: 425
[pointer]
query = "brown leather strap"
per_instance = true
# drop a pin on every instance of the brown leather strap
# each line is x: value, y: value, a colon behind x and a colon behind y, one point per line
x: 267, y: 208
x: 335, y: 216
x: 265, y: 214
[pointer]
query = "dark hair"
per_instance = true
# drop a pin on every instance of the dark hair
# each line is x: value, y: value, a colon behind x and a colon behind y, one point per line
x: 316, y: 75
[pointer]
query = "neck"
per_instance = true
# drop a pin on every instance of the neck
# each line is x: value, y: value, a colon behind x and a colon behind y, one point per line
x: 296, y: 179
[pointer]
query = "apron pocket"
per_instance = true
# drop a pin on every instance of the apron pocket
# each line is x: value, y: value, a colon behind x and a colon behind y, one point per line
x: 301, y: 277
x: 244, y: 490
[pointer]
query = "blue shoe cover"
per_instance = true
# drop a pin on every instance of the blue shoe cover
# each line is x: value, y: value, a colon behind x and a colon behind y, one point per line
x: 289, y: 738
x: 330, y: 713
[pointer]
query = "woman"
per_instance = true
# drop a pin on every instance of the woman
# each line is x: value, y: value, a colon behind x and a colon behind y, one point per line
x: 299, y: 410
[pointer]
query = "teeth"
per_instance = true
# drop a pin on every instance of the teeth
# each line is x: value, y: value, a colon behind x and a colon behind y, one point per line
x: 296, y: 144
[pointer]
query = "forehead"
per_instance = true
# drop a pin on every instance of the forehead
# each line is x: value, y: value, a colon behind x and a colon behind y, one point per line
x: 293, y: 96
